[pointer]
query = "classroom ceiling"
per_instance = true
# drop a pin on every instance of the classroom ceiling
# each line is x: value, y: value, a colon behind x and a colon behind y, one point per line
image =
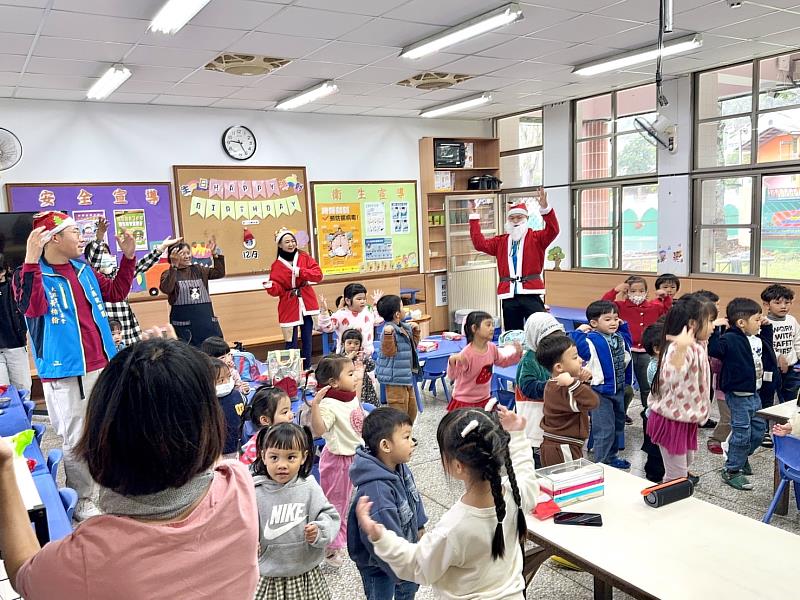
x: 56, y: 49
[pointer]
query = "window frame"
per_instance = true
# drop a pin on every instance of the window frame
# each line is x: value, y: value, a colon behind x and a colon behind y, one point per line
x: 518, y: 151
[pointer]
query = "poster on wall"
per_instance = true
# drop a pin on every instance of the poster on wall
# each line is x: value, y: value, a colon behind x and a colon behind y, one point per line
x: 366, y: 227
x: 145, y: 209
x: 241, y: 208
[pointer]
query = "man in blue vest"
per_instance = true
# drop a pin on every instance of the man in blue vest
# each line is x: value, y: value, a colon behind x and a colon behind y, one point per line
x: 63, y: 301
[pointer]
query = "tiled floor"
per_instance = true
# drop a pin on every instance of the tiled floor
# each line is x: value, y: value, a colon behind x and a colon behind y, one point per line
x: 551, y: 582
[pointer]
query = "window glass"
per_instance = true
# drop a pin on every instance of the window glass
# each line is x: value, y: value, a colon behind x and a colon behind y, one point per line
x: 593, y: 158
x: 779, y: 81
x: 635, y: 155
x: 780, y: 226
x: 724, y: 143
x: 779, y: 135
x: 593, y: 116
x: 725, y: 92
x: 520, y: 131
x: 521, y: 170
x: 640, y: 227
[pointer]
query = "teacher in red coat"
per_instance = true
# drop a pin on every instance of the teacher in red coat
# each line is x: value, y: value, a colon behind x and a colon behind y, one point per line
x: 290, y: 279
x: 520, y: 259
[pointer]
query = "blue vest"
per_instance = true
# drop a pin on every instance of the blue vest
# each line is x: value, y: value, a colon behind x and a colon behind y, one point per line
x: 396, y: 370
x: 56, y: 336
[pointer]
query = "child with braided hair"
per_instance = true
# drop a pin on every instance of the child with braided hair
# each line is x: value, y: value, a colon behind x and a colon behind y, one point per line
x: 488, y: 520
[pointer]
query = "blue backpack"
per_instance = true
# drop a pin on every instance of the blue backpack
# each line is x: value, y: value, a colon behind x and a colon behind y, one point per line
x: 246, y: 364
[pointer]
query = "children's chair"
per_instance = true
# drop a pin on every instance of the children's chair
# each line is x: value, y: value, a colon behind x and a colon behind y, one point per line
x: 39, y: 429
x: 435, y: 369
x: 29, y: 405
x: 69, y: 498
x: 787, y: 453
x: 54, y: 458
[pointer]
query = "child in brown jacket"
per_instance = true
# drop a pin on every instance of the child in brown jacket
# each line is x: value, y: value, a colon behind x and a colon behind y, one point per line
x: 567, y: 401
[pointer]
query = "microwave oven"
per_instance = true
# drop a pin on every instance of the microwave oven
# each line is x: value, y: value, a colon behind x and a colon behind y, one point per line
x: 449, y: 154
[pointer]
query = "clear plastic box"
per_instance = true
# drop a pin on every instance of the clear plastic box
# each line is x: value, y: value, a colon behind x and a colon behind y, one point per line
x: 572, y: 482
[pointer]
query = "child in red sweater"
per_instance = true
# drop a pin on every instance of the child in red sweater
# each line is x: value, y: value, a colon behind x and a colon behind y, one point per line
x: 639, y: 313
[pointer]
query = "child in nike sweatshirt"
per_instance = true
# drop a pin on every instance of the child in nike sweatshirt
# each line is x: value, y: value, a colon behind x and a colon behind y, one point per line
x: 296, y: 521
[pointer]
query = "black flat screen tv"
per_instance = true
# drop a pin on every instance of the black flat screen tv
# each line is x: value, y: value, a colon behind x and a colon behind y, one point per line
x: 14, y: 230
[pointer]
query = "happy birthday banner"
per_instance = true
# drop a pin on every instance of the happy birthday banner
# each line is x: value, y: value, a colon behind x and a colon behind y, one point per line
x: 243, y: 209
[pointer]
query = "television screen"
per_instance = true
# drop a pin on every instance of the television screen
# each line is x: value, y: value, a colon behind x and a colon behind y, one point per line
x: 14, y: 230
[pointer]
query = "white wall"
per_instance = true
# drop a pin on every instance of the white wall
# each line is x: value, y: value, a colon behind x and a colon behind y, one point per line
x: 85, y: 142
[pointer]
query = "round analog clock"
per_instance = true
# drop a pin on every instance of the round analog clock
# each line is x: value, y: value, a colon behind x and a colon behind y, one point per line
x: 239, y: 142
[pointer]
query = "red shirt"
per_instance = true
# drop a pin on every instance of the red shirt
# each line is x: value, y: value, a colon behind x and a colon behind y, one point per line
x: 639, y: 317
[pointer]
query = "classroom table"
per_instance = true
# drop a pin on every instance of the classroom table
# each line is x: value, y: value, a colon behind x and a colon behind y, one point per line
x: 36, y: 508
x: 446, y: 347
x: 779, y: 413
x: 687, y: 550
x: 14, y: 418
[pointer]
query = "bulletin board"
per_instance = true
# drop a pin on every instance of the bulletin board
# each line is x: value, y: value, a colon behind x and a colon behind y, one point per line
x: 241, y: 207
x: 144, y: 209
x: 366, y: 227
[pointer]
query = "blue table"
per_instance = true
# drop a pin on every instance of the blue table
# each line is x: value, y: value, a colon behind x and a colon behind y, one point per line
x: 569, y: 317
x: 14, y: 419
x: 446, y: 347
x: 503, y: 376
x: 58, y: 524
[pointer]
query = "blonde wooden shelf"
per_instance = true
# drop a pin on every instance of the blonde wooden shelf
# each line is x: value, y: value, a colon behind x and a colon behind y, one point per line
x: 458, y: 192
x: 466, y: 169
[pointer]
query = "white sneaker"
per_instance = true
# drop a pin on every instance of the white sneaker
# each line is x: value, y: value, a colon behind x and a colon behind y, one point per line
x: 85, y: 509
x: 335, y: 558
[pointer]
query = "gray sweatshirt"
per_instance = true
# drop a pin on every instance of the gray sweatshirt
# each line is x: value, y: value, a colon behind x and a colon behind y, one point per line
x: 283, y: 513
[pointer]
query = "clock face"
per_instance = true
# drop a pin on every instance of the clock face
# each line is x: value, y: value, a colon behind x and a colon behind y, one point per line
x: 239, y: 142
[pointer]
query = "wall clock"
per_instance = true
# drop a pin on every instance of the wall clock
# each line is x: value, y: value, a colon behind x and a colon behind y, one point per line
x: 239, y: 142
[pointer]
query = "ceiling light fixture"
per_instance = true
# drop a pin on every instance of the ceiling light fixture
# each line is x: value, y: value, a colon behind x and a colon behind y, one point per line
x: 326, y: 88
x: 464, y: 31
x: 639, y: 56
x: 109, y: 82
x: 175, y: 14
x: 456, y: 105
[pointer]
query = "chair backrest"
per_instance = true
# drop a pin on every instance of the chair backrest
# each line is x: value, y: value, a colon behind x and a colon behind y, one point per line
x: 39, y: 429
x: 435, y: 366
x: 787, y: 451
x: 28, y: 405
x: 54, y: 458
x: 69, y: 498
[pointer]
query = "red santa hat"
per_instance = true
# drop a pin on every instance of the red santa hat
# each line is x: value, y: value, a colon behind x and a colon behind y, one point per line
x: 517, y: 209
x: 53, y: 222
x: 248, y: 235
x: 282, y: 232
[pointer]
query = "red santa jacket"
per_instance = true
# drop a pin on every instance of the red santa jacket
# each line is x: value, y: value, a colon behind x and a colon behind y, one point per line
x: 289, y: 282
x: 530, y: 262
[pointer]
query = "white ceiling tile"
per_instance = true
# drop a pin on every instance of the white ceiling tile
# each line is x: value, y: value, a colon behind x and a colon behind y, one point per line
x: 391, y: 112
x: 56, y: 82
x: 686, y: 5
x: 235, y: 14
x: 20, y: 19
x: 480, y: 43
x: 138, y: 9
x: 9, y: 78
x: 681, y: 65
x: 788, y: 38
x: 205, y: 77
x: 528, y: 70
x: 58, y: 66
x: 31, y: 3
x: 389, y: 32
x: 378, y: 75
x: 444, y: 95
x: 338, y: 109
x: 443, y: 12
x: 202, y: 91
x: 531, y: 86
x: 242, y: 104
x: 432, y: 62
x: 361, y: 7
x: 93, y: 27
x: 313, y: 22
x: 410, y: 103
x: 6, y: 91
x: 478, y: 65
x: 169, y: 57
x: 281, y: 82
x: 44, y: 94
x: 636, y: 10
x: 350, y: 53
x: 585, y: 28
x: 182, y: 100
x: 259, y: 94
x: 138, y: 86
x: 15, y: 43
x: 486, y: 82
x: 793, y: 4
x: 319, y: 70
x: 538, y: 18
x: 281, y: 46
x: 576, y: 5
x: 11, y: 62
x: 371, y: 101
x: 166, y: 74
x: 578, y: 54
x: 762, y: 26
x: 193, y: 37
x: 357, y: 88
x: 129, y: 98
x: 525, y: 48
x: 399, y: 91
x: 80, y: 49
x: 718, y: 14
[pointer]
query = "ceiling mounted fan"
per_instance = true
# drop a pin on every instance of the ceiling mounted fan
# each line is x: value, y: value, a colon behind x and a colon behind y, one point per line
x: 10, y: 149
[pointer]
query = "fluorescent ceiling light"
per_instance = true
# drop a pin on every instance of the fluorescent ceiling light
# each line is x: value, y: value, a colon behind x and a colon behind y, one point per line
x: 326, y: 88
x: 175, y: 14
x: 464, y: 31
x: 110, y: 81
x: 637, y: 57
x: 456, y: 106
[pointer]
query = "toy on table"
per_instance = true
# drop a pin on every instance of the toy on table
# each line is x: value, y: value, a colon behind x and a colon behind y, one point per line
x: 451, y: 336
x: 427, y: 345
x: 20, y: 441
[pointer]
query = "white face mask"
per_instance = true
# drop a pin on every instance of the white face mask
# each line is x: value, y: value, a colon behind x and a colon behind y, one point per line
x: 223, y: 389
x: 638, y: 298
x: 107, y: 264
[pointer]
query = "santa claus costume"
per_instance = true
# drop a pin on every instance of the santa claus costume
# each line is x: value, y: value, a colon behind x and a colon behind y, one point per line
x: 290, y: 279
x: 520, y: 262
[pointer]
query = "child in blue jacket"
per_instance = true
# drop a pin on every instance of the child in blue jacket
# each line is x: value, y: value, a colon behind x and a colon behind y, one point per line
x: 380, y: 472
x: 605, y: 345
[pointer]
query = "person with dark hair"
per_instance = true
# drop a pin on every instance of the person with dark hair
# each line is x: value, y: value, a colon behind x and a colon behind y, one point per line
x: 749, y: 377
x: 216, y: 347
x: 186, y: 285
x: 351, y: 341
x: 380, y: 472
x: 152, y: 441
x: 520, y: 258
x: 116, y: 333
x: 471, y: 369
x: 269, y: 406
x: 356, y: 314
x: 567, y: 401
x: 669, y: 283
x: 295, y: 519
x: 398, y: 361
x: 98, y: 254
x: 63, y: 301
x: 777, y: 300
x: 15, y: 366
x: 707, y: 295
x: 470, y: 553
x: 232, y: 403
x: 651, y: 340
x: 290, y: 279
x: 605, y: 346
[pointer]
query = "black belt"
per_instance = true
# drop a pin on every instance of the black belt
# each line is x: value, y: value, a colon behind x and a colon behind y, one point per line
x: 521, y: 279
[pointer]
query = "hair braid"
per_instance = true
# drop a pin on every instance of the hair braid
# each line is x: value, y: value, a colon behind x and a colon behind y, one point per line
x: 492, y: 473
x: 522, y: 527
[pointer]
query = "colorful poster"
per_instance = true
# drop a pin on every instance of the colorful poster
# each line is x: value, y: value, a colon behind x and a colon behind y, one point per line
x: 87, y: 223
x: 388, y: 235
x: 135, y: 223
x: 339, y: 227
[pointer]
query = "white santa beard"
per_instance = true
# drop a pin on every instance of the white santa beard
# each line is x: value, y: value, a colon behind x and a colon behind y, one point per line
x: 516, y: 231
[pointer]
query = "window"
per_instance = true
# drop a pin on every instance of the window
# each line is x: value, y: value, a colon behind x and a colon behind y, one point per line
x: 521, y: 142
x: 617, y: 227
x: 607, y: 144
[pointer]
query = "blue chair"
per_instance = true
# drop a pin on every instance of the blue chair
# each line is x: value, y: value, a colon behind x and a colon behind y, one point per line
x: 328, y: 342
x: 435, y: 369
x: 54, y: 458
x: 69, y: 498
x: 39, y: 429
x: 29, y: 405
x: 787, y: 453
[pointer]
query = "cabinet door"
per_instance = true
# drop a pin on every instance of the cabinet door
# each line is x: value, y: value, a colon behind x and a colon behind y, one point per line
x: 461, y: 252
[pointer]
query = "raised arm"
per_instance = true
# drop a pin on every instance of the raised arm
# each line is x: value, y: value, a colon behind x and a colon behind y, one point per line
x: 27, y: 281
x: 550, y: 232
x: 481, y: 244
x: 218, y: 270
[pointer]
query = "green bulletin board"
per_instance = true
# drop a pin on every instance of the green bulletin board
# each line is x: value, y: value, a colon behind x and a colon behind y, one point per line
x: 366, y: 227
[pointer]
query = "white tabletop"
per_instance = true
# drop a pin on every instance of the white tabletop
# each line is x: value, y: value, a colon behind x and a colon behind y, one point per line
x: 785, y: 410
x: 688, y: 549
x: 27, y: 488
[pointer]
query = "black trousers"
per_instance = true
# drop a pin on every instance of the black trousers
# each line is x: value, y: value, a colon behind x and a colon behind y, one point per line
x: 518, y: 308
x: 306, y: 332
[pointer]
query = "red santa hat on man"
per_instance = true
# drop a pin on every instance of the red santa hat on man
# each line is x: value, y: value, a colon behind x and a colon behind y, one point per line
x: 53, y: 222
x: 517, y: 209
